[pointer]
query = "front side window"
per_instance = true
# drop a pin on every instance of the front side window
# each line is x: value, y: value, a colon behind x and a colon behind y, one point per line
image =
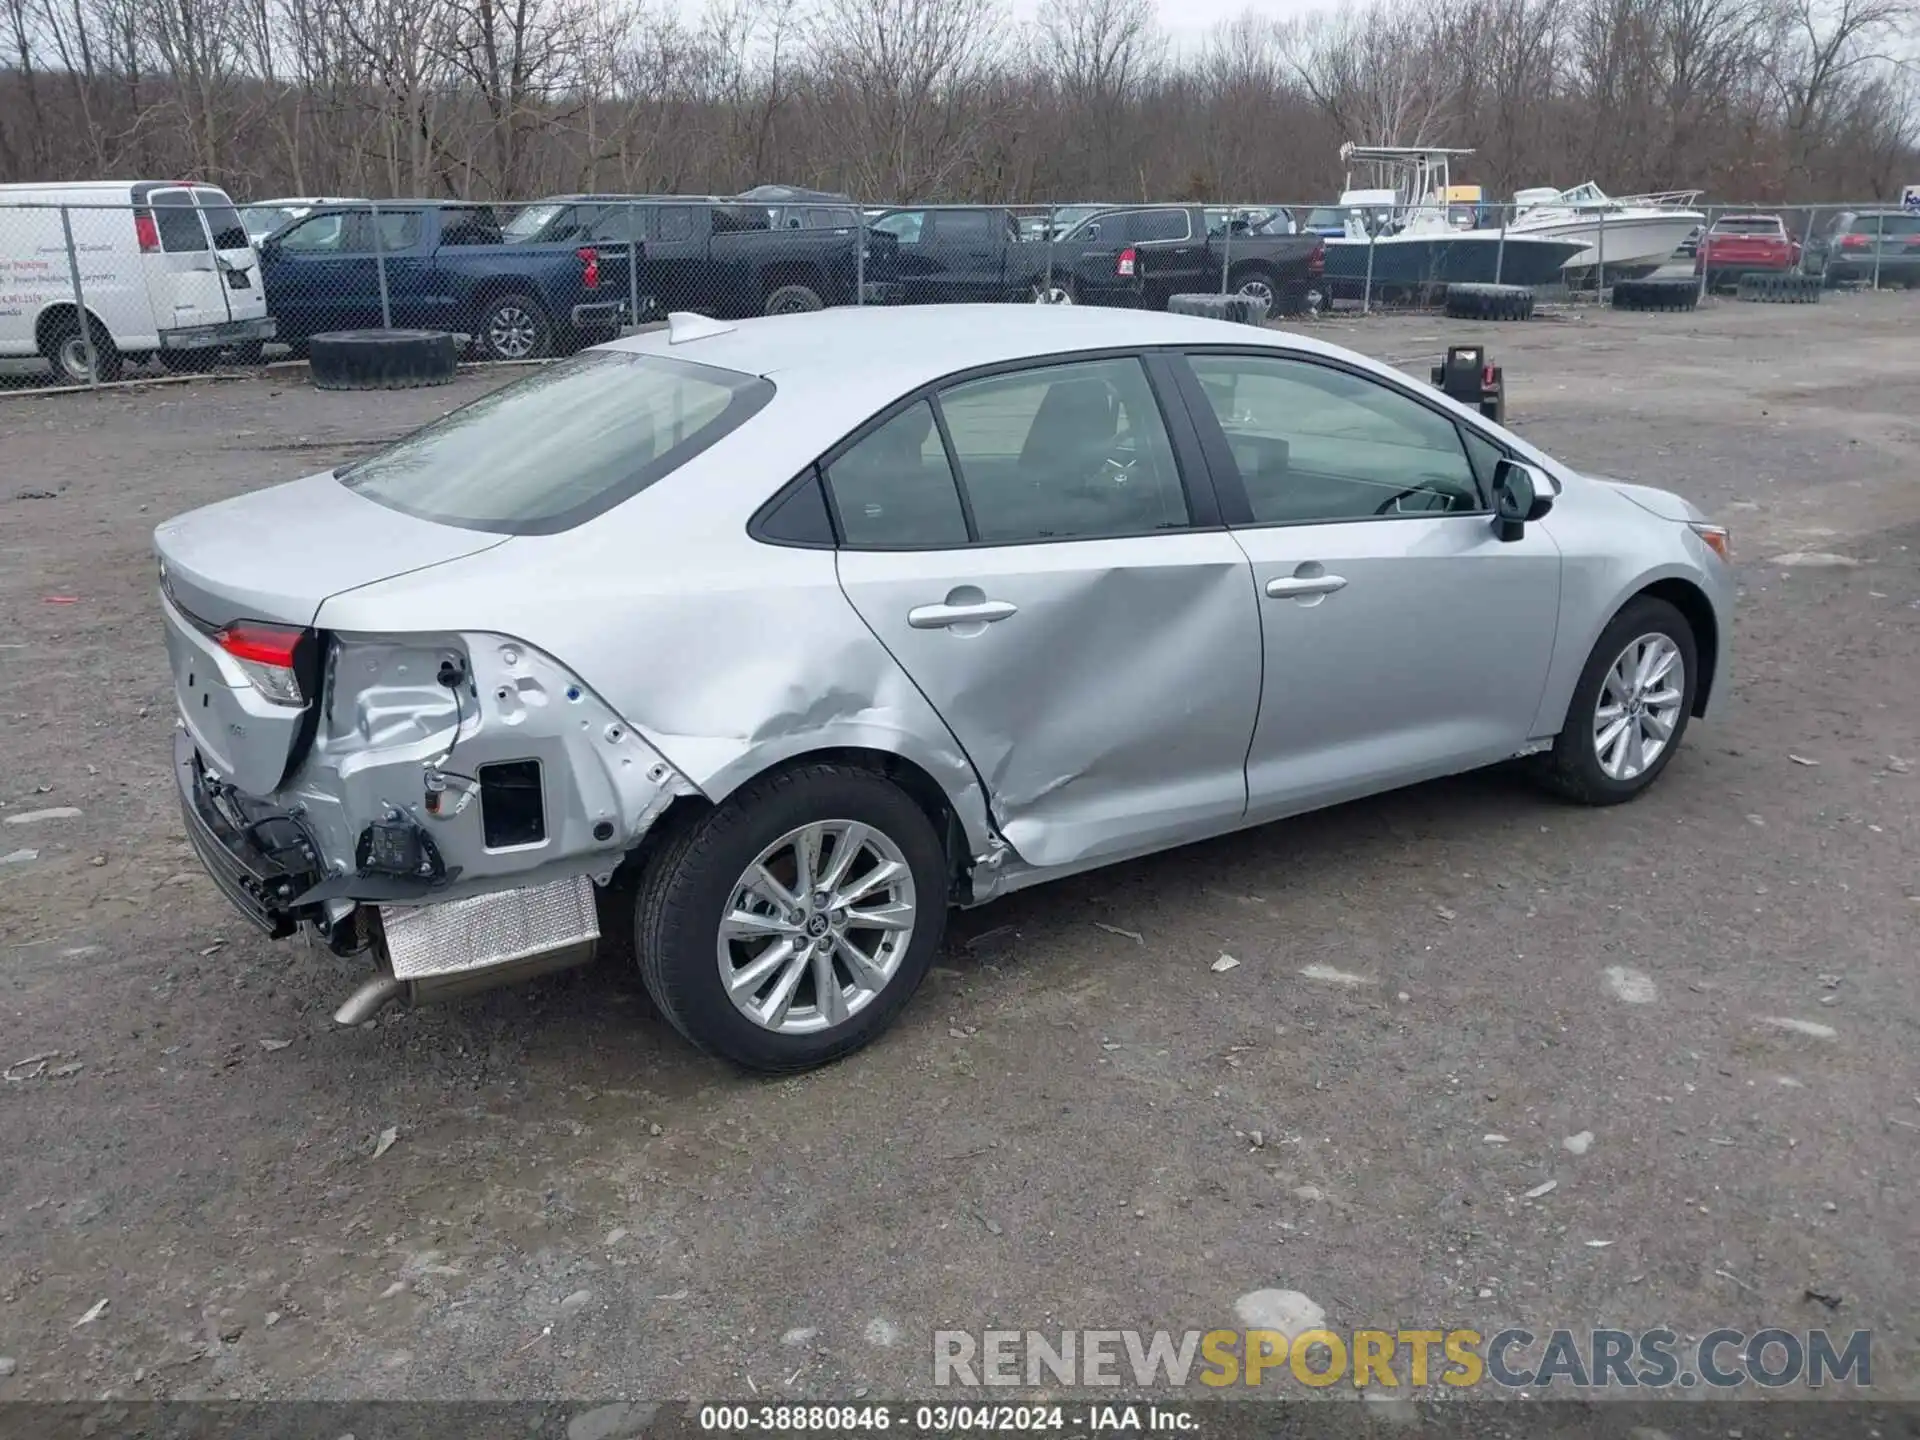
x: 894, y: 489
x: 317, y: 234
x: 1312, y: 443
x: 562, y: 446
x: 1065, y: 452
x: 966, y: 226
x: 903, y: 225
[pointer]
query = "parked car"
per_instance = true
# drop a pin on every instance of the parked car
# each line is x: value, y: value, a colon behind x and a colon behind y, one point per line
x: 1737, y: 245
x: 749, y: 649
x: 1142, y: 257
x: 1859, y: 245
x: 168, y: 271
x: 447, y: 267
x: 719, y: 257
x: 262, y: 217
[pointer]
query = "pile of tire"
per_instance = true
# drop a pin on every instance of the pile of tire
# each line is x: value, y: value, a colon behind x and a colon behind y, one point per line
x: 1656, y: 294
x: 1489, y: 302
x: 381, y: 359
x: 1240, y: 309
x: 1780, y: 289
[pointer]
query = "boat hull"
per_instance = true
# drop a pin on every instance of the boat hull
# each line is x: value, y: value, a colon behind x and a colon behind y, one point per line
x: 1634, y: 244
x: 1465, y: 257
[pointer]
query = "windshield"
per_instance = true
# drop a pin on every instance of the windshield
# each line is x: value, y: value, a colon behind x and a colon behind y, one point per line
x: 261, y: 221
x: 1327, y: 217
x: 562, y: 446
x: 530, y: 222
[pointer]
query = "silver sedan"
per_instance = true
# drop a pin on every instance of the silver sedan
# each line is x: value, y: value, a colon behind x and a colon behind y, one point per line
x: 749, y: 649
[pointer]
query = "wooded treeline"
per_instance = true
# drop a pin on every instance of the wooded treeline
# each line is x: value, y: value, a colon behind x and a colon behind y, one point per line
x: 1755, y: 100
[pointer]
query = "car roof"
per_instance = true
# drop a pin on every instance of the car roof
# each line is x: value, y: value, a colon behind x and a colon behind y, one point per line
x: 852, y: 360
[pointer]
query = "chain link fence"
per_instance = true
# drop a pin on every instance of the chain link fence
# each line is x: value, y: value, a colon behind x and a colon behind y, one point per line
x: 178, y: 278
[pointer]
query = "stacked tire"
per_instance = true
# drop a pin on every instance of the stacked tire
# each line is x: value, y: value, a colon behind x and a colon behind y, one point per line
x: 1242, y: 309
x: 1780, y: 289
x: 381, y: 359
x: 1489, y: 302
x: 1655, y: 294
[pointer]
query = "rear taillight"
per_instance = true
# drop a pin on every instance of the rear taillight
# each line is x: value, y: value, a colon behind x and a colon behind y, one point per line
x: 1855, y: 242
x: 146, y: 232
x: 590, y: 263
x: 1128, y: 262
x: 1317, y: 261
x: 266, y: 654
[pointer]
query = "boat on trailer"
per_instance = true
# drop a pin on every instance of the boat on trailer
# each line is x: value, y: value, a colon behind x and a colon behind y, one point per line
x: 1628, y: 235
x: 1415, y: 249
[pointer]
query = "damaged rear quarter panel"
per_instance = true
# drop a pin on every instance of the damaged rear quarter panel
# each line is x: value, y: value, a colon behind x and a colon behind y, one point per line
x: 728, y: 656
x: 387, y: 723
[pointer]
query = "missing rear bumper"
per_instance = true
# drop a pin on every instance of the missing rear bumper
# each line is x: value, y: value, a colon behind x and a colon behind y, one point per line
x: 432, y: 952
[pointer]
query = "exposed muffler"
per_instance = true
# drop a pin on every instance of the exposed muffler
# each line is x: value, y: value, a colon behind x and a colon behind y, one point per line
x: 434, y: 952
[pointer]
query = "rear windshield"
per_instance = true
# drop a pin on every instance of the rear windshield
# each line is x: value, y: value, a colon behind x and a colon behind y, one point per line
x: 224, y: 221
x: 562, y: 446
x: 1747, y: 225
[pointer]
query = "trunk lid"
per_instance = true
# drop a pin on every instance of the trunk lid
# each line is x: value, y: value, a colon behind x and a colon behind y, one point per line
x: 275, y: 556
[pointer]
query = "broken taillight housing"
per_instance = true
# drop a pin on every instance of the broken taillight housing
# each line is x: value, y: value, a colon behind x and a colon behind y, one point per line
x: 265, y: 653
x: 1129, y: 260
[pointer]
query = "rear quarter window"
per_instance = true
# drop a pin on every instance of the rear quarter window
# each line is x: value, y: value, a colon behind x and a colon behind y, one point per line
x: 562, y: 446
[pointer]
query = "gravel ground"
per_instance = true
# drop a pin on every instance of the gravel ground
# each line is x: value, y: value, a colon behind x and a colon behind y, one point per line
x: 1071, y: 1126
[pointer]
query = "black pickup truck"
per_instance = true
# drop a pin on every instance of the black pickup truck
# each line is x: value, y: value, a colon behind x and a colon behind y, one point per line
x: 1134, y: 257
x: 1142, y: 256
x: 719, y: 257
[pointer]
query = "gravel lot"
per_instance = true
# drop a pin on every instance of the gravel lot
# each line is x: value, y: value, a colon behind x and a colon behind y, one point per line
x: 1071, y: 1126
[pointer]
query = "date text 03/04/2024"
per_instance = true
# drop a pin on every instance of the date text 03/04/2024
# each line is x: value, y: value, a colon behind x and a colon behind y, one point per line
x: 946, y: 1419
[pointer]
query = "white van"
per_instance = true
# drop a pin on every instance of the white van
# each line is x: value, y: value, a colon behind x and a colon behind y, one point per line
x: 165, y: 266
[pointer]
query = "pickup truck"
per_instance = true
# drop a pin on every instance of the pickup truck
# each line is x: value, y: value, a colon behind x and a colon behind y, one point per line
x: 448, y: 267
x: 1744, y: 245
x: 720, y: 257
x: 1141, y: 257
x: 1134, y: 258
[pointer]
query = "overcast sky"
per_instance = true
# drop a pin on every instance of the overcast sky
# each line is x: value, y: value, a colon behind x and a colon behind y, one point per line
x: 1190, y: 19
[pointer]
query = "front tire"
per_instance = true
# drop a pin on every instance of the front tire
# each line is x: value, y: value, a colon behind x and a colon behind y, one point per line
x: 791, y: 924
x: 1630, y: 708
x: 794, y: 300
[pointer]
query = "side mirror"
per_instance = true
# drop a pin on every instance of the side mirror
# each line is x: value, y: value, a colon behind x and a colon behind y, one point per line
x: 1520, y: 494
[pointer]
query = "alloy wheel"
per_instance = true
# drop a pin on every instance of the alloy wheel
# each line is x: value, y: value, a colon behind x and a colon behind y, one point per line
x: 512, y: 333
x: 1639, y: 706
x: 816, y: 927
x: 1261, y: 291
x: 1052, y: 293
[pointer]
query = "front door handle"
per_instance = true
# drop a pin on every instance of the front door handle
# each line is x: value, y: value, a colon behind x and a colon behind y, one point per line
x: 1287, y: 587
x: 977, y: 612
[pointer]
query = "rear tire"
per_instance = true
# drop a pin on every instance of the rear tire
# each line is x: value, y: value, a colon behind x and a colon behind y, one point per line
x: 1577, y: 768
x: 66, y: 352
x: 1257, y: 283
x: 697, y: 877
x: 794, y: 300
x: 513, y: 327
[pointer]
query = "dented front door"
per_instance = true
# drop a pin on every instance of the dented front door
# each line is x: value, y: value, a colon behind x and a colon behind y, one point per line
x: 1105, y: 690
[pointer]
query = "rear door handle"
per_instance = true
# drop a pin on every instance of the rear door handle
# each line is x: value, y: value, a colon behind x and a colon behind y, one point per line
x: 938, y: 617
x: 1287, y: 587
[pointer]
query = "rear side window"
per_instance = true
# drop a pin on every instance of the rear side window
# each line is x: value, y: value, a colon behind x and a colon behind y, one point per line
x: 178, y: 220
x: 894, y: 489
x: 968, y: 226
x: 1161, y: 225
x: 676, y: 222
x: 401, y: 231
x: 562, y: 446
